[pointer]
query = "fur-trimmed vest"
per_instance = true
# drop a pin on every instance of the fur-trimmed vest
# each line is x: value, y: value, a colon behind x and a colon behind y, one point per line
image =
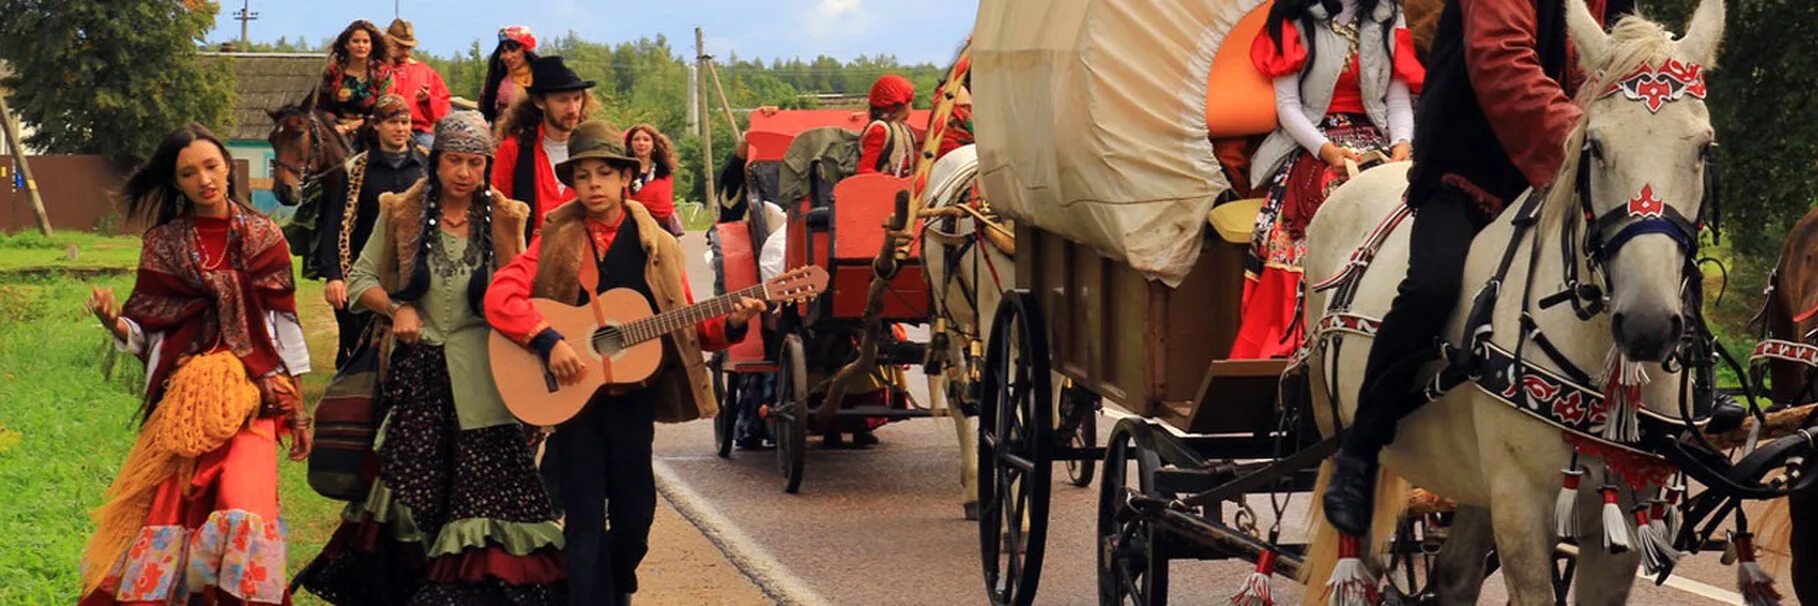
x: 404, y: 214
x: 681, y: 392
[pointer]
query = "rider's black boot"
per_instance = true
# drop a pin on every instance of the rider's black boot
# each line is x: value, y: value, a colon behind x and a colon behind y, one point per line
x: 1351, y: 495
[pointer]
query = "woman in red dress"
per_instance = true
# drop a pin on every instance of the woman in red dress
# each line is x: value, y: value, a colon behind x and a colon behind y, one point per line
x: 654, y: 184
x: 1344, y: 75
x: 193, y: 515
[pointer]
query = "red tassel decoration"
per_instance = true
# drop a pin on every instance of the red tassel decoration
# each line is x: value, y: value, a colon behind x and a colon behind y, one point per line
x: 1674, y: 494
x: 1616, y: 538
x: 1657, y: 553
x: 1256, y: 590
x: 1756, y: 586
x: 1565, y: 507
x: 1622, y: 399
x: 1351, y: 583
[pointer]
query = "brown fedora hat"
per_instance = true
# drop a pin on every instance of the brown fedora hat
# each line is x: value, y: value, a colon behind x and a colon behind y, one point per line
x: 593, y: 140
x: 402, y: 33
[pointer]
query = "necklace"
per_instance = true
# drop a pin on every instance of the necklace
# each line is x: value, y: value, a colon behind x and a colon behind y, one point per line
x: 456, y: 221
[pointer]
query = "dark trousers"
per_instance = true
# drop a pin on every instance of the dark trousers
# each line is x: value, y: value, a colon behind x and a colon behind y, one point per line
x: 350, y: 326
x: 608, y: 495
x: 1443, y: 229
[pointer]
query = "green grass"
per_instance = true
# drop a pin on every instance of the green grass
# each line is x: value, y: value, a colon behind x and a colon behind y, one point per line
x: 65, y: 428
x: 30, y: 251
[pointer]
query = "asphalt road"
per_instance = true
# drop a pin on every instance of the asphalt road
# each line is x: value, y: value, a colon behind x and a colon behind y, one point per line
x: 884, y: 525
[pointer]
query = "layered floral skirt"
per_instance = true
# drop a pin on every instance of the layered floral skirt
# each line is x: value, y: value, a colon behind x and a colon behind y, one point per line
x: 1272, y: 273
x: 454, y: 517
x: 214, y: 536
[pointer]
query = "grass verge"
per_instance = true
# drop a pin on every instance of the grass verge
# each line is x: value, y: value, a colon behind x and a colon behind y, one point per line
x: 65, y: 427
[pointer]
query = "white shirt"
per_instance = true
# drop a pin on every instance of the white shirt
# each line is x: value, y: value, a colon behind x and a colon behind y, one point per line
x: 286, y: 335
x: 557, y: 152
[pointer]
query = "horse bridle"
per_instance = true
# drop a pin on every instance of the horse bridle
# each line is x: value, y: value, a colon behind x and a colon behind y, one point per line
x: 310, y: 174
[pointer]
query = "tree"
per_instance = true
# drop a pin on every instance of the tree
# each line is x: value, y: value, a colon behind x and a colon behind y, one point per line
x: 110, y: 77
x: 1765, y: 78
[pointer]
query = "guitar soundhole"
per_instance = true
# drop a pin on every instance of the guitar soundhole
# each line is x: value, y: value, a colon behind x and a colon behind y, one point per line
x: 608, y: 341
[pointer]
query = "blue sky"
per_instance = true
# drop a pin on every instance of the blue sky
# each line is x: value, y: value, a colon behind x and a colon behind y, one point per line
x: 913, y: 30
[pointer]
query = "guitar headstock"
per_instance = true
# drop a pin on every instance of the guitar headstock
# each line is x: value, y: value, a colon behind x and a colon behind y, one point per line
x: 795, y: 285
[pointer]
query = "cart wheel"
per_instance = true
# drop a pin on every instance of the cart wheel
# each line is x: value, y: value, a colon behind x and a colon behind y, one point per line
x: 789, y: 415
x: 1016, y: 433
x: 725, y: 423
x: 1079, y: 411
x: 1132, y: 566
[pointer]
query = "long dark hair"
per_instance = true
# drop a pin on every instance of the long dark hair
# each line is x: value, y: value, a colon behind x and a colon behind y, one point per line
x: 496, y: 71
x: 1301, y: 11
x: 381, y: 50
x: 151, y: 193
x: 662, y: 156
x: 479, y: 215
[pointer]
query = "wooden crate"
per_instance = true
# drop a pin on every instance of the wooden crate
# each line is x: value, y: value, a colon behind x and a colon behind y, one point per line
x: 1155, y: 351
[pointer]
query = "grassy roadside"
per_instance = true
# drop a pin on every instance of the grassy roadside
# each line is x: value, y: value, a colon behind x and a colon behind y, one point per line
x: 65, y: 428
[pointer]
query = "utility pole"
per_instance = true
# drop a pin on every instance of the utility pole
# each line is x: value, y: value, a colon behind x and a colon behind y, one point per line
x: 11, y: 129
x: 246, y: 16
x: 694, y: 100
x: 707, y: 166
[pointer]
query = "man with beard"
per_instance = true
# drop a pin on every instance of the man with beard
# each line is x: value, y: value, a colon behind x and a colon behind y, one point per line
x: 534, y: 138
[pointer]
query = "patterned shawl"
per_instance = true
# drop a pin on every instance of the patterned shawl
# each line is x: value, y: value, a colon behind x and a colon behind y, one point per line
x: 200, y: 311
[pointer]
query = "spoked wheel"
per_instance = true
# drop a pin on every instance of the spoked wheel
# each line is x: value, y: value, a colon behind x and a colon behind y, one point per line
x: 725, y: 423
x: 789, y: 416
x: 1015, y: 465
x: 1132, y: 563
x: 1079, y: 423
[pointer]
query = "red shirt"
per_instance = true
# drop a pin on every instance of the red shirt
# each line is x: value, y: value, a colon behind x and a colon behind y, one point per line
x: 508, y: 307
x: 413, y: 76
x: 1347, y: 92
x: 658, y: 196
x: 550, y: 192
x: 871, y: 148
x: 1530, y: 113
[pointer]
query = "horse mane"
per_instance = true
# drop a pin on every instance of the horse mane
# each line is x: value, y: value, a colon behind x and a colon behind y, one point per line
x: 1635, y: 40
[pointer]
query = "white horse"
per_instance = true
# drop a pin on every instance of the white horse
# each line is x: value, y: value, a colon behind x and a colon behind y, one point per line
x: 1501, y: 465
x: 966, y: 274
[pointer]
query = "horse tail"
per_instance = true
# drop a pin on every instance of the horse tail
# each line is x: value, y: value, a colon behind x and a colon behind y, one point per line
x: 1322, y: 550
x: 1774, y: 538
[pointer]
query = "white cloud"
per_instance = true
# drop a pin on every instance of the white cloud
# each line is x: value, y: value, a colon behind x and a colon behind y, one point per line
x: 835, y: 19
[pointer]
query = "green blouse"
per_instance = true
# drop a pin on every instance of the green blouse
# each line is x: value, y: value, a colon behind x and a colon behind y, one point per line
x: 448, y: 321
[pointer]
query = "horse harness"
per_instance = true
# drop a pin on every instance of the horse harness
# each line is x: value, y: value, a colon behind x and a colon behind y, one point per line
x: 1644, y: 451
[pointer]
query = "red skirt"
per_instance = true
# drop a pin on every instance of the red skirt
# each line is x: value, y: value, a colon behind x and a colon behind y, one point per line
x: 214, y: 539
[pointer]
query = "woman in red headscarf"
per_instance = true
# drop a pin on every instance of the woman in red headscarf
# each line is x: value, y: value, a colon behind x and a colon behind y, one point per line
x: 888, y: 144
x: 192, y: 517
x: 508, y: 71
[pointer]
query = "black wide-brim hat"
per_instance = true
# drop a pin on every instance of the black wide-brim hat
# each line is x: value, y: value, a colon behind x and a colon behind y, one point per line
x: 550, y: 75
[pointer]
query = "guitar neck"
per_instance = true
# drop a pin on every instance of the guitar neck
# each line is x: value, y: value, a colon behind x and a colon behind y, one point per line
x: 673, y: 320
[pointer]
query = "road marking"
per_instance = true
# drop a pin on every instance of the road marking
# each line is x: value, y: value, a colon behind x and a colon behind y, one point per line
x: 1696, y: 588
x: 757, y: 563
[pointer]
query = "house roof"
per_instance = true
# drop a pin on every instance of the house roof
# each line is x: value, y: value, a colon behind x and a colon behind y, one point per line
x: 267, y: 81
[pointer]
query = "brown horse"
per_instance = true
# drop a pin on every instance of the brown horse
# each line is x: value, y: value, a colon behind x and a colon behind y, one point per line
x: 1791, y: 314
x: 308, y: 156
x: 306, y: 147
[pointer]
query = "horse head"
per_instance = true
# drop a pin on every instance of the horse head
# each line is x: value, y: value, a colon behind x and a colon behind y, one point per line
x: 1644, y: 144
x: 304, y: 145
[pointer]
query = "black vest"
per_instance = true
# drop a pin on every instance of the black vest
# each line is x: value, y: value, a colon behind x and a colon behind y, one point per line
x: 524, y: 179
x: 1451, y: 134
x: 624, y: 263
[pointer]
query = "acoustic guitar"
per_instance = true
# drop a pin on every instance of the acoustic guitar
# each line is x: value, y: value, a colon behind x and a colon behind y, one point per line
x: 618, y: 337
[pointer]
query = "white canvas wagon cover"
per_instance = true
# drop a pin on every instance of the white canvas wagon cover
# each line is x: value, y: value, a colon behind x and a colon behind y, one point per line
x: 1091, y: 121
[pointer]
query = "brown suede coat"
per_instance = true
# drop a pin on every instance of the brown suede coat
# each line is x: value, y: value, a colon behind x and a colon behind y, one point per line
x: 682, y: 392
x: 404, y: 213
